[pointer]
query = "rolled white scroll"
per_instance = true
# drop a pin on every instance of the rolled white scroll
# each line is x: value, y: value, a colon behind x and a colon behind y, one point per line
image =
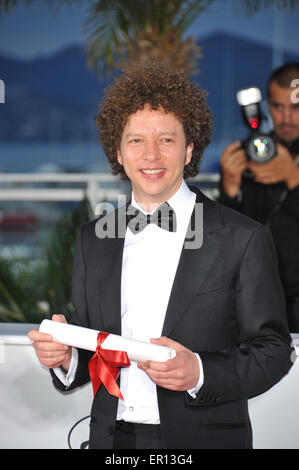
x: 85, y: 338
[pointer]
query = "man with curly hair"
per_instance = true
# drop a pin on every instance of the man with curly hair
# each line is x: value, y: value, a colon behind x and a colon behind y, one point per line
x: 219, y: 305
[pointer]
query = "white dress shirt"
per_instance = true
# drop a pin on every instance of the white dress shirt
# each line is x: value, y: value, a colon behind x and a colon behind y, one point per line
x: 150, y: 261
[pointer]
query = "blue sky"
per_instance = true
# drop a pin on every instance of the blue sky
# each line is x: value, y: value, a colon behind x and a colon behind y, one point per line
x: 38, y: 29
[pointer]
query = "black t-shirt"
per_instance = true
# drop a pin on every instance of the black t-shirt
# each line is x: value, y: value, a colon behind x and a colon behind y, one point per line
x: 278, y: 207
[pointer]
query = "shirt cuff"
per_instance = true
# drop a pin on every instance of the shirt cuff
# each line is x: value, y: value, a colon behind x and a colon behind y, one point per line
x: 68, y: 378
x: 195, y: 390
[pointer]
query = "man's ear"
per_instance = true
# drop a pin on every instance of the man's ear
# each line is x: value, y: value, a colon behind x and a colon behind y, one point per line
x: 189, y: 151
x: 119, y: 159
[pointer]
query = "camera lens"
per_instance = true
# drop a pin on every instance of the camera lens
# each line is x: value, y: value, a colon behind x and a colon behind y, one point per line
x: 261, y: 148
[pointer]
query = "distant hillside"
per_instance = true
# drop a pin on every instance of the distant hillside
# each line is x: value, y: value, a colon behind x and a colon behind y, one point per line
x: 55, y: 98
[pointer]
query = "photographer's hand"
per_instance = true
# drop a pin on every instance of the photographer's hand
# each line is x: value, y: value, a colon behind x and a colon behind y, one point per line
x: 233, y: 163
x: 280, y: 168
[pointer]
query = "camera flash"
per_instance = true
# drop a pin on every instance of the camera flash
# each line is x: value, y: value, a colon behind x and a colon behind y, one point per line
x: 249, y: 96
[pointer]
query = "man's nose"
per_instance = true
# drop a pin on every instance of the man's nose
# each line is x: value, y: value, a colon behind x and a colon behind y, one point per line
x: 152, y: 151
x: 287, y: 115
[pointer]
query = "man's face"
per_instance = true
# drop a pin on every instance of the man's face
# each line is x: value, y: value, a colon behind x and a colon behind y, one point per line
x: 284, y: 112
x: 153, y: 153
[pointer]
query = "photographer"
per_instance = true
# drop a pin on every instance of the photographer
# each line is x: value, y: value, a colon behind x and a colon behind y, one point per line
x: 269, y: 192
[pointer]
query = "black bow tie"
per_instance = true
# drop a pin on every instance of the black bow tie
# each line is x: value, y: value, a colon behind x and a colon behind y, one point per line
x: 164, y: 217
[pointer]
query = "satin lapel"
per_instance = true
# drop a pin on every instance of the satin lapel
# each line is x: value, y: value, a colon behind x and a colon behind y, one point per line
x: 195, y: 264
x: 110, y: 284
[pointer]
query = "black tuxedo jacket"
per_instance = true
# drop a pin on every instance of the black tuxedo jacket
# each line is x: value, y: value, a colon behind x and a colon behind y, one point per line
x: 226, y: 303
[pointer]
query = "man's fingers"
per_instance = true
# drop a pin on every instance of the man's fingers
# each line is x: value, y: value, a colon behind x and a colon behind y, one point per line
x: 36, y: 335
x: 231, y: 148
x: 53, y: 355
x: 173, y: 380
x: 166, y: 367
x: 164, y: 341
x: 155, y: 366
x: 59, y: 318
x: 49, y: 346
x: 51, y: 362
x: 232, y: 152
x: 49, y: 353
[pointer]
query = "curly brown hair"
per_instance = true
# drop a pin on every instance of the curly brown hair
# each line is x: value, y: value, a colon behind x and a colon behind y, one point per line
x: 155, y: 85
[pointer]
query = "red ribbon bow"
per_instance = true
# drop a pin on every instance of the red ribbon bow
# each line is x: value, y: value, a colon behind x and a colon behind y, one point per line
x: 103, y: 367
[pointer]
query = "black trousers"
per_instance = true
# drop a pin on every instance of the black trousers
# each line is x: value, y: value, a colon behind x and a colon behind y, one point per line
x: 136, y: 436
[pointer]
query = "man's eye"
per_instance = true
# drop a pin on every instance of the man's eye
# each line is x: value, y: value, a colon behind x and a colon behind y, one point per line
x: 135, y: 141
x: 276, y: 105
x: 166, y: 140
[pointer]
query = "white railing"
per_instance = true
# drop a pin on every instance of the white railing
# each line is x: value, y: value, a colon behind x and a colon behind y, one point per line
x: 16, y: 186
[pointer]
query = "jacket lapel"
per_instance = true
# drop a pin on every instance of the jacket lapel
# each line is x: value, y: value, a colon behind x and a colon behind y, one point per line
x: 195, y: 264
x: 111, y: 268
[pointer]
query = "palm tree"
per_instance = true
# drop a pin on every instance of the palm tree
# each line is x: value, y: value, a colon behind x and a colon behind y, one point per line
x: 130, y: 30
x: 134, y: 30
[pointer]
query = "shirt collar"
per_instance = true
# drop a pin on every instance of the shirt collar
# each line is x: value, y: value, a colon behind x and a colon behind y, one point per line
x: 179, y: 201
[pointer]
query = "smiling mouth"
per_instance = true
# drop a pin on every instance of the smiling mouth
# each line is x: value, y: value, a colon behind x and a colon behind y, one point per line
x: 153, y: 172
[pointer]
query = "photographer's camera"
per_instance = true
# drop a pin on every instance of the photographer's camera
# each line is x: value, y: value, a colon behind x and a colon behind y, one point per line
x: 259, y: 147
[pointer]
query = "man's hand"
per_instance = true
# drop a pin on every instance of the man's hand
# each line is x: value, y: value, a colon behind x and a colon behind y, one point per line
x: 49, y: 353
x: 233, y: 163
x: 179, y: 374
x: 281, y: 168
